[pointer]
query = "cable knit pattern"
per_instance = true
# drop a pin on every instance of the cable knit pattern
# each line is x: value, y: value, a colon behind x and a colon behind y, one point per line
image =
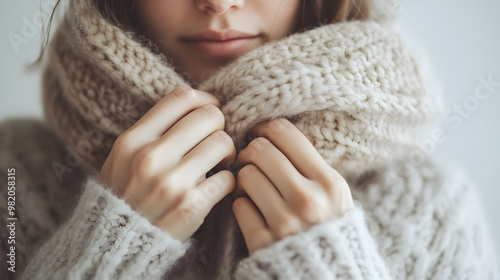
x: 355, y: 91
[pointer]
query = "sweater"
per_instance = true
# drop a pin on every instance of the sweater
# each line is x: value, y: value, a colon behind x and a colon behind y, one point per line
x: 410, y: 222
x: 354, y: 89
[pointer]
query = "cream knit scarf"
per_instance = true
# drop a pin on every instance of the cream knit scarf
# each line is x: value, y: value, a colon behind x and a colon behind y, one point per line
x: 352, y: 88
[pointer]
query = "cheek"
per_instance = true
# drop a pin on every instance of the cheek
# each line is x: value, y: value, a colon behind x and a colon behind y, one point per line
x: 284, y: 13
x: 159, y: 18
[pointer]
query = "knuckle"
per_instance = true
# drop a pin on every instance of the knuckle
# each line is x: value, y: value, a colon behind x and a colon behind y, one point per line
x: 288, y: 225
x: 246, y: 171
x: 214, y: 114
x: 236, y: 206
x: 123, y: 143
x: 187, y: 94
x: 277, y: 125
x: 297, y: 183
x: 308, y: 208
x: 222, y: 137
x: 162, y: 186
x: 332, y: 181
x: 189, y: 202
x: 165, y: 192
x: 190, y: 214
x: 225, y: 179
x: 168, y: 179
x: 340, y: 193
x: 258, y: 144
x: 187, y: 198
x: 261, y: 238
x: 143, y: 162
x: 211, y: 109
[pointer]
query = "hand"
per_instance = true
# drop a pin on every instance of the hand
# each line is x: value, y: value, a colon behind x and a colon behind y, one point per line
x: 159, y: 165
x: 290, y: 186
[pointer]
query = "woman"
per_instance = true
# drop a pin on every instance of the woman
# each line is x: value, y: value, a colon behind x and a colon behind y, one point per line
x: 294, y: 156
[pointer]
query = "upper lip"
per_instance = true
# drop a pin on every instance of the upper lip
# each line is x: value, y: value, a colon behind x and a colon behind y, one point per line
x: 213, y: 35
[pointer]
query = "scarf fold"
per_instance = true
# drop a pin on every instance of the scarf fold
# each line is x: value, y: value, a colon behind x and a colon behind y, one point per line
x: 354, y: 89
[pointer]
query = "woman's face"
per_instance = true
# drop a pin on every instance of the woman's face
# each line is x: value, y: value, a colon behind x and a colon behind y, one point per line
x: 203, y: 35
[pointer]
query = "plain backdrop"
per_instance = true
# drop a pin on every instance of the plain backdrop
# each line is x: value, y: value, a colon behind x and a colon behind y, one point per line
x: 461, y: 37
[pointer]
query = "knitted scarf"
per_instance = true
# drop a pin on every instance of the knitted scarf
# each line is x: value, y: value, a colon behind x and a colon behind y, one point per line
x: 352, y: 88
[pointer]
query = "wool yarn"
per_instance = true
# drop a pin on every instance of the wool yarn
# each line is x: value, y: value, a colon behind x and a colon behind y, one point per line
x: 352, y: 88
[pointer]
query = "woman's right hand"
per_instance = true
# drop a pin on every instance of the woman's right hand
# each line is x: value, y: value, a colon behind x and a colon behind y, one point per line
x: 159, y: 164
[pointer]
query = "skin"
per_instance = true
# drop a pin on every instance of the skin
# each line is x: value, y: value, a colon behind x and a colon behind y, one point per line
x: 290, y: 186
x: 167, y: 21
x: 159, y: 164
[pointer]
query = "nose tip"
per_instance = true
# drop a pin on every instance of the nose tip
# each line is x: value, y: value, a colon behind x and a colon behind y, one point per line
x: 220, y: 9
x: 217, y: 6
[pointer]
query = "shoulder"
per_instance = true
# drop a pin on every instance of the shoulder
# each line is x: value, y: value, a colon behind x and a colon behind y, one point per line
x: 412, y: 196
x: 31, y: 145
x: 41, y: 202
x: 428, y: 209
x: 429, y: 179
x: 33, y: 152
x: 24, y: 138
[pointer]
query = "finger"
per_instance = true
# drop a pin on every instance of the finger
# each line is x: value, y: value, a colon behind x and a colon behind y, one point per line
x: 201, y: 200
x: 190, y: 131
x: 274, y: 164
x: 252, y: 224
x: 170, y: 109
x: 226, y: 164
x: 293, y: 144
x: 238, y: 191
x: 217, y: 147
x: 263, y: 193
x: 170, y: 148
x: 159, y: 200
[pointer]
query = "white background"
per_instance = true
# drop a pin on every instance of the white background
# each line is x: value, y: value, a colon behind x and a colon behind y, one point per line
x: 462, y: 38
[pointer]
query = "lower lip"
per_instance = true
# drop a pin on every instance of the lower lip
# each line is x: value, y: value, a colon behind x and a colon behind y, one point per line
x: 223, y: 48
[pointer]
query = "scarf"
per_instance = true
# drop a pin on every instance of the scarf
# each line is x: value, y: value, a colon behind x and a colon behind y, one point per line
x: 352, y: 88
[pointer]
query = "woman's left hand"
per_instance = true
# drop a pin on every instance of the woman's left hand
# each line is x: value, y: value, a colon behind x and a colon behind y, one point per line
x: 289, y: 184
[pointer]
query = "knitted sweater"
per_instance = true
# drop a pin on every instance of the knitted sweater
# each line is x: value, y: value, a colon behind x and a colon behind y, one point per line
x: 419, y: 222
x: 354, y: 89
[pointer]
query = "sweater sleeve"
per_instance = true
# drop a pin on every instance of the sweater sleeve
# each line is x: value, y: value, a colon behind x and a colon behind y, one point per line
x: 337, y: 249
x: 105, y: 239
x: 426, y: 222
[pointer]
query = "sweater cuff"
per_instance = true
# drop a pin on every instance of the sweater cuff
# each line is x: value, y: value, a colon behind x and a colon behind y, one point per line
x: 341, y: 248
x: 105, y: 238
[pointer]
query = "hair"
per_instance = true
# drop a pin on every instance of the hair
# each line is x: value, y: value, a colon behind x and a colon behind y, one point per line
x: 314, y: 13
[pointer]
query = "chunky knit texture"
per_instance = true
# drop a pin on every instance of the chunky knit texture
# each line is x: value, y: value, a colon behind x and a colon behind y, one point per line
x: 410, y: 222
x: 354, y: 89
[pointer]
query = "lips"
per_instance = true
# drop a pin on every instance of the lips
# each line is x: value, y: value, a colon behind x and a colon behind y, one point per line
x: 222, y: 43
